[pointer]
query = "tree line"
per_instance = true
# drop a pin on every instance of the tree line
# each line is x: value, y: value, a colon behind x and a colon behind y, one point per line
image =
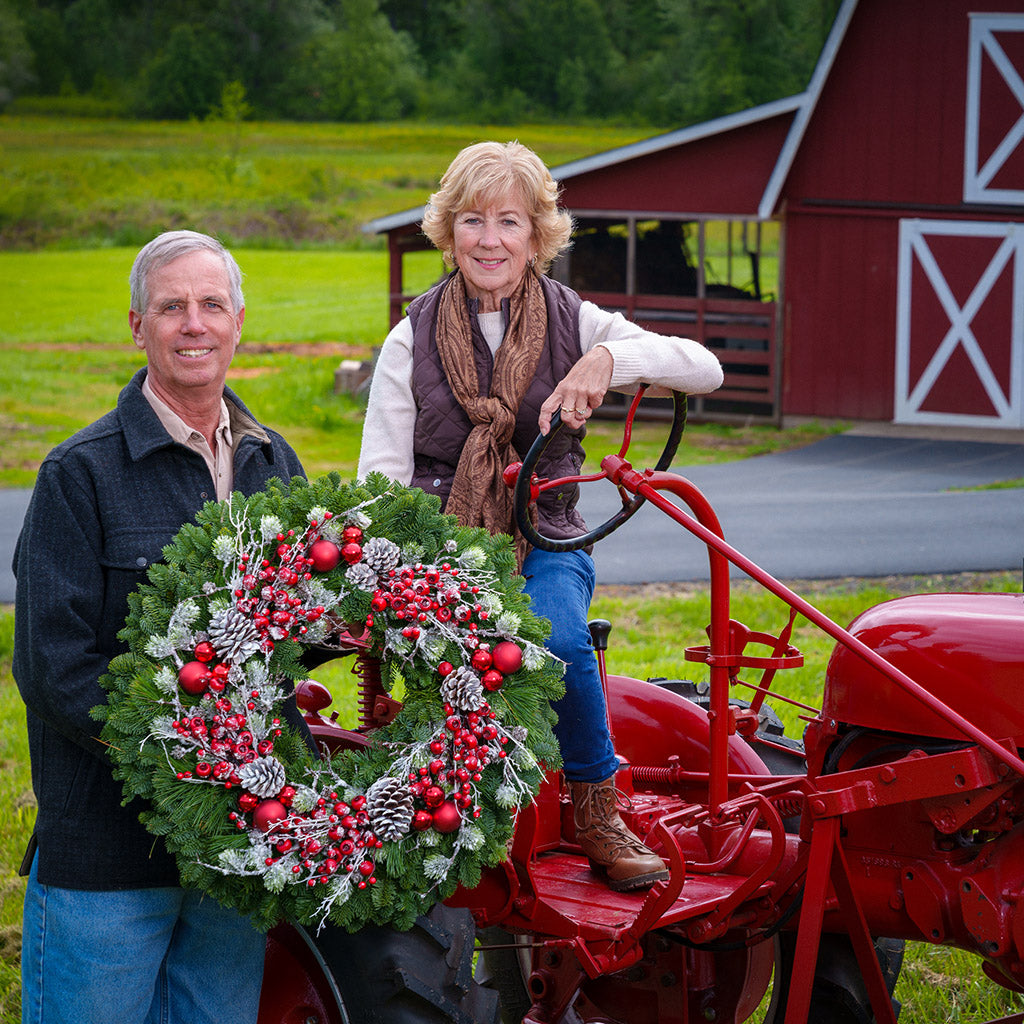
x: 659, y: 62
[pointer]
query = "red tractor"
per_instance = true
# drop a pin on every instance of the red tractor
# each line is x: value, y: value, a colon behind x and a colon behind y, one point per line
x: 798, y: 868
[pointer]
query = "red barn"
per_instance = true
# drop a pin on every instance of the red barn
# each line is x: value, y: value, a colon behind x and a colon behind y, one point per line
x: 856, y: 251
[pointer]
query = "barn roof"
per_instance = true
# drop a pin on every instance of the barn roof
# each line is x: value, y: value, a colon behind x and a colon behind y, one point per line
x: 794, y: 112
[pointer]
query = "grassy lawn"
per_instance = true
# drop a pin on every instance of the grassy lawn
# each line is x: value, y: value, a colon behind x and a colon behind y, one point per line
x: 68, y: 352
x: 71, y: 182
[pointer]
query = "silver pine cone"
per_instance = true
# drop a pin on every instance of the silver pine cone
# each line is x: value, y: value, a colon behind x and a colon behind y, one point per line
x: 233, y: 636
x: 263, y: 777
x: 362, y: 577
x: 389, y: 805
x: 381, y: 554
x: 463, y: 689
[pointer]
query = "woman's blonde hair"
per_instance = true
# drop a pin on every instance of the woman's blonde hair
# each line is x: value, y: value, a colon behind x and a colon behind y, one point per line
x: 484, y: 174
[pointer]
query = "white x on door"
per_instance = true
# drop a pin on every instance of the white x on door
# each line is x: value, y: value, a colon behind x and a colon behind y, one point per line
x: 960, y: 324
x: 994, y: 129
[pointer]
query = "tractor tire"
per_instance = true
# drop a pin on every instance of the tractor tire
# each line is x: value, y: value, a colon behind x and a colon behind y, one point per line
x: 422, y: 976
x: 839, y: 995
x: 505, y: 970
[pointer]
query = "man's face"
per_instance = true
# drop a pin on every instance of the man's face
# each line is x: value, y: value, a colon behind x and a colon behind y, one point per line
x: 189, y: 331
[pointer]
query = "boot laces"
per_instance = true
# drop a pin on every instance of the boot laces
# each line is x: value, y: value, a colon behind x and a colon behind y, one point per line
x: 600, y: 809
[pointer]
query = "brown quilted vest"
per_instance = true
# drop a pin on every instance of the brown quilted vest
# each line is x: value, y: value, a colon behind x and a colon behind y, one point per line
x: 442, y: 425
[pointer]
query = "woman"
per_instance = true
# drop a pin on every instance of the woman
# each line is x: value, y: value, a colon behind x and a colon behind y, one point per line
x: 461, y: 387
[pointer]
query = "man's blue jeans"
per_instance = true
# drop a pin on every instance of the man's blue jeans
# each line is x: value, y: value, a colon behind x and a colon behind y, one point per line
x: 561, y: 585
x: 136, y: 956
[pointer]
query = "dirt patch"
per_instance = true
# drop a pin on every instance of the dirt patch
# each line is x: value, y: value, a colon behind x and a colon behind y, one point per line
x: 303, y: 348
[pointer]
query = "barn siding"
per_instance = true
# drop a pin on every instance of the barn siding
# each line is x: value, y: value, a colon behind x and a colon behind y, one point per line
x: 840, y: 316
x: 724, y: 175
x: 889, y: 124
x: 886, y: 141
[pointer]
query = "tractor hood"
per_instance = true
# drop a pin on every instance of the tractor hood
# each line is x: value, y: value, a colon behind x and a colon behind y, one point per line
x: 966, y: 650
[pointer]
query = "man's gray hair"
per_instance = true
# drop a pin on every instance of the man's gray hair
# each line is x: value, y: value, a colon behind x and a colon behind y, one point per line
x: 168, y: 247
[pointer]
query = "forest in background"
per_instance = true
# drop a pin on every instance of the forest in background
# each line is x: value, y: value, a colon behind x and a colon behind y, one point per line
x: 653, y: 62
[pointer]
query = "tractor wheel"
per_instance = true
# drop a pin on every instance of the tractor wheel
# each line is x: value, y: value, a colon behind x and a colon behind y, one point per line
x: 505, y: 970
x: 839, y: 995
x: 422, y: 976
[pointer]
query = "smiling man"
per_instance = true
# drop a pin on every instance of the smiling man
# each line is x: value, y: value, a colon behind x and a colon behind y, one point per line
x: 108, y: 932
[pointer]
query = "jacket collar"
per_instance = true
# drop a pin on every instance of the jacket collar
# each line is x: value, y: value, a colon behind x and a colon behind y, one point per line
x: 145, y: 434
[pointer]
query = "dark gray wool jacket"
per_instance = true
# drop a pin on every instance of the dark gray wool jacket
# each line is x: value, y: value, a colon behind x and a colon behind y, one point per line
x: 106, y: 502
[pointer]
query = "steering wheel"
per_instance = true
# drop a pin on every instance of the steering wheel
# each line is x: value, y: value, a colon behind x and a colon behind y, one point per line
x: 527, y: 488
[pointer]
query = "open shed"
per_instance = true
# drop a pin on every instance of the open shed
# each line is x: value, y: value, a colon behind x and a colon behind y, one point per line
x: 855, y: 251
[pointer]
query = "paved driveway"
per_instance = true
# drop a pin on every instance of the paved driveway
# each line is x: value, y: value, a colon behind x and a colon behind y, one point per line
x: 846, y: 506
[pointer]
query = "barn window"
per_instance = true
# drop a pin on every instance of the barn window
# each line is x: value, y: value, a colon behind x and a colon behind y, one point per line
x: 994, y: 135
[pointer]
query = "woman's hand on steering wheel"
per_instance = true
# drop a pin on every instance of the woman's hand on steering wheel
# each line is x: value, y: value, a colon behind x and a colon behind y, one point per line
x: 526, y: 490
x: 580, y: 391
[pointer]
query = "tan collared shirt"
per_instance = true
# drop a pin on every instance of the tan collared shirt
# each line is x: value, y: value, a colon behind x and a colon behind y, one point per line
x: 221, y: 462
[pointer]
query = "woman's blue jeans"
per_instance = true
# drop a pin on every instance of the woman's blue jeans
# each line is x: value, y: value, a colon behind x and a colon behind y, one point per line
x: 136, y: 956
x: 561, y: 586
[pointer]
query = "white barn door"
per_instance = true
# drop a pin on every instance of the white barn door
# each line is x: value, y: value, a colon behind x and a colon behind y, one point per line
x: 960, y: 324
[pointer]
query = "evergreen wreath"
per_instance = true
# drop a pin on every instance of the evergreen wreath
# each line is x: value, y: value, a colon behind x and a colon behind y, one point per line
x: 197, y: 712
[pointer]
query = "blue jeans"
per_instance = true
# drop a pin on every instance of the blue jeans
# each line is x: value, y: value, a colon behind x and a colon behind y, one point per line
x: 159, y: 956
x: 561, y: 585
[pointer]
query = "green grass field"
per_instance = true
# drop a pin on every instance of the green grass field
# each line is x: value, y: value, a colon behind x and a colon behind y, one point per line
x: 92, y: 182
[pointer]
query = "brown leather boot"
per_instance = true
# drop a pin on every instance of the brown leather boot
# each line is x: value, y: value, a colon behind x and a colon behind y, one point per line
x: 606, y: 841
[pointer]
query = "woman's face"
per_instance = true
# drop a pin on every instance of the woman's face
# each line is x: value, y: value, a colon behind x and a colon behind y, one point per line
x: 492, y: 246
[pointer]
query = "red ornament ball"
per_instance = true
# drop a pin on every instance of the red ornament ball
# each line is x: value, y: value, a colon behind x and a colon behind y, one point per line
x: 422, y: 820
x: 492, y: 680
x: 433, y: 796
x: 481, y: 660
x: 205, y: 651
x: 324, y: 555
x: 352, y: 553
x: 193, y: 677
x: 352, y: 535
x: 248, y: 802
x: 447, y: 818
x: 507, y: 657
x: 269, y: 814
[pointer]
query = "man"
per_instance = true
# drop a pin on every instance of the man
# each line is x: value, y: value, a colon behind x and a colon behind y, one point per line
x: 108, y: 933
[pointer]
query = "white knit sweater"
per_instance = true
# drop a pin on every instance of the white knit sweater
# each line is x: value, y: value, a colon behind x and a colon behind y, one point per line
x: 638, y: 356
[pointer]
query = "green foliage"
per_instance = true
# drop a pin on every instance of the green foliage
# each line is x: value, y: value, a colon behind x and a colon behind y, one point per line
x: 356, y: 69
x: 15, y: 55
x: 653, y: 61
x: 165, y: 92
